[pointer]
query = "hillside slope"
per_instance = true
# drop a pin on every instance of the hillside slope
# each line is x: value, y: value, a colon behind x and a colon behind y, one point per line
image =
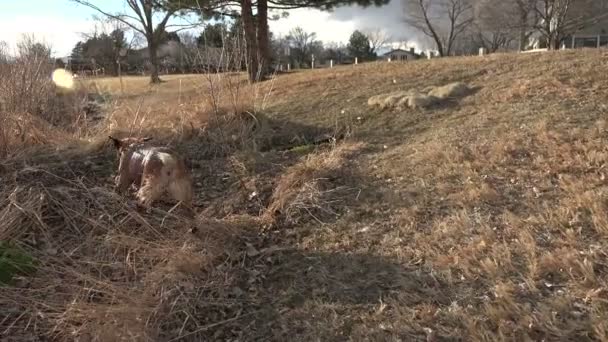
x: 482, y: 218
x: 492, y: 208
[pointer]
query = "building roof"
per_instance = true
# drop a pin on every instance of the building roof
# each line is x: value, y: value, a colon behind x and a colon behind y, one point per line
x: 400, y: 50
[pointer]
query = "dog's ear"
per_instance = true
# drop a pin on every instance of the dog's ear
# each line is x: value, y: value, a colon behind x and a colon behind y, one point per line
x: 146, y: 139
x: 117, y: 142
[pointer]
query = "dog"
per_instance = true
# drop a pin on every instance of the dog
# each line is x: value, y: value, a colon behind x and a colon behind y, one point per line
x: 155, y: 170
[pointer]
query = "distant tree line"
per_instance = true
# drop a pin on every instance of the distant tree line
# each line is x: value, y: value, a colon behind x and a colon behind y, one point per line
x: 151, y: 17
x: 453, y: 27
x: 462, y: 26
x: 217, y: 47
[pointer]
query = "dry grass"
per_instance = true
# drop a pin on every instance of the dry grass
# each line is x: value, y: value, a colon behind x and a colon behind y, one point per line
x: 482, y: 219
x: 181, y: 103
x: 32, y: 111
x: 452, y: 90
x: 302, y: 191
x: 416, y: 100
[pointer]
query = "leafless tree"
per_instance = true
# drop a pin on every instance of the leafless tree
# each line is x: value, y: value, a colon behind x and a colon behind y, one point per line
x: 301, y: 42
x: 442, y: 20
x: 560, y: 18
x: 142, y: 20
x: 496, y: 23
x: 377, y: 38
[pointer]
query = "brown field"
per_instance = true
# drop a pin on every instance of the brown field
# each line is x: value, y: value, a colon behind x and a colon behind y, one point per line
x: 483, y: 218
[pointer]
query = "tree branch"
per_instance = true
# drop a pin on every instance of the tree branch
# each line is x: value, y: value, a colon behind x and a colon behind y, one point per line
x: 118, y: 17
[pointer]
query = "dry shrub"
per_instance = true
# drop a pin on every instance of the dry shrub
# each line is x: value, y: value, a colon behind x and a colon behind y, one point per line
x: 402, y: 99
x: 305, y: 189
x: 26, y: 130
x: 452, y: 90
x: 105, y: 271
x: 417, y: 100
x: 34, y: 110
x: 26, y: 84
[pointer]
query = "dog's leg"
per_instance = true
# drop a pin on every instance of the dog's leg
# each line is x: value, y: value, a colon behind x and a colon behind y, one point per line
x: 151, y: 189
x: 181, y: 190
x: 121, y: 183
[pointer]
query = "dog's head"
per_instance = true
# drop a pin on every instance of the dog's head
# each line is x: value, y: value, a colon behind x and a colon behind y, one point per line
x: 122, y: 145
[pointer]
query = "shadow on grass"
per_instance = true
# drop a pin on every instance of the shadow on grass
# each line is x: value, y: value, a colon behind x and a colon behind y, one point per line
x: 274, y: 290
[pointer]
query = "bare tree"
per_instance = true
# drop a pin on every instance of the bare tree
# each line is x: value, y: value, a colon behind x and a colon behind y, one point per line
x: 377, y: 38
x: 526, y: 20
x: 496, y: 23
x: 302, y: 42
x: 442, y: 20
x: 142, y: 20
x: 560, y: 18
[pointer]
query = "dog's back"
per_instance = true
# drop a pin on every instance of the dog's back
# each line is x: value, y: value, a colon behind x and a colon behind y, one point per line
x: 155, y: 170
x: 164, y: 169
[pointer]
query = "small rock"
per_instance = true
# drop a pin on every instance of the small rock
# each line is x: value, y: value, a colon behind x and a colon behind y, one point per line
x: 364, y: 229
x: 252, y: 251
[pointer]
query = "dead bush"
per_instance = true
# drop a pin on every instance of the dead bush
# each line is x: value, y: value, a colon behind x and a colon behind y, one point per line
x: 105, y: 270
x: 417, y: 100
x: 305, y: 190
x: 34, y: 110
x: 456, y: 89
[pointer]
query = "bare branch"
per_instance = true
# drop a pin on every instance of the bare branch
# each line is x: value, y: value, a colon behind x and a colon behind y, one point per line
x: 120, y: 17
x: 377, y: 38
x: 442, y: 20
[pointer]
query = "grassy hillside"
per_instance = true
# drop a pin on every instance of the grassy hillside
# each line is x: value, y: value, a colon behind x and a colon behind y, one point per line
x: 483, y: 218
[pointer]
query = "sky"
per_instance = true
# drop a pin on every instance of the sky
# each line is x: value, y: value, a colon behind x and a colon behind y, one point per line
x: 61, y: 23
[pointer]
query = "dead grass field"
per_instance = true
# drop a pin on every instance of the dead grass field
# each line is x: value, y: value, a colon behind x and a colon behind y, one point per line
x: 482, y: 219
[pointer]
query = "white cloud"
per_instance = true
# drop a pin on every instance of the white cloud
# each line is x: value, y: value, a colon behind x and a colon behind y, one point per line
x: 337, y: 26
x: 327, y: 29
x: 61, y: 33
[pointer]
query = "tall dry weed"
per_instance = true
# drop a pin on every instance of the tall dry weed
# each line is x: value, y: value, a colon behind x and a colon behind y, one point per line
x: 33, y: 110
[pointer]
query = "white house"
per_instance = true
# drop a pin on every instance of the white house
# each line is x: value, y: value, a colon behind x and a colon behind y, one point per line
x: 401, y: 55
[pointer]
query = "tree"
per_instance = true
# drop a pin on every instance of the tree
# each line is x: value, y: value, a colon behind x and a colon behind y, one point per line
x: 142, y: 20
x: 441, y: 20
x: 4, y: 53
x: 358, y: 46
x: 560, y: 18
x: 104, y: 49
x: 336, y: 51
x: 30, y: 48
x: 255, y: 23
x: 301, y: 43
x: 213, y: 35
x: 500, y: 21
x: 377, y: 39
x: 78, y: 51
x: 166, y: 37
x: 496, y: 24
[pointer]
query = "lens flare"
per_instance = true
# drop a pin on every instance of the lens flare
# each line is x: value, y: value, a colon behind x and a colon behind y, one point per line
x: 63, y: 78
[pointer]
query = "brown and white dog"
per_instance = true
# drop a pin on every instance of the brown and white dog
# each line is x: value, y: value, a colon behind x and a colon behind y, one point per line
x: 155, y: 170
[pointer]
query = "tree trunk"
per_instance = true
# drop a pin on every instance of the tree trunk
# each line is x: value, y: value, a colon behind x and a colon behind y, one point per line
x: 523, y: 29
x: 152, y: 50
x: 250, y: 40
x: 263, y: 39
x: 555, y: 42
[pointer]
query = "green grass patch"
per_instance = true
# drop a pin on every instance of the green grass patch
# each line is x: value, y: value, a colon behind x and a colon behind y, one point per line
x: 14, y: 261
